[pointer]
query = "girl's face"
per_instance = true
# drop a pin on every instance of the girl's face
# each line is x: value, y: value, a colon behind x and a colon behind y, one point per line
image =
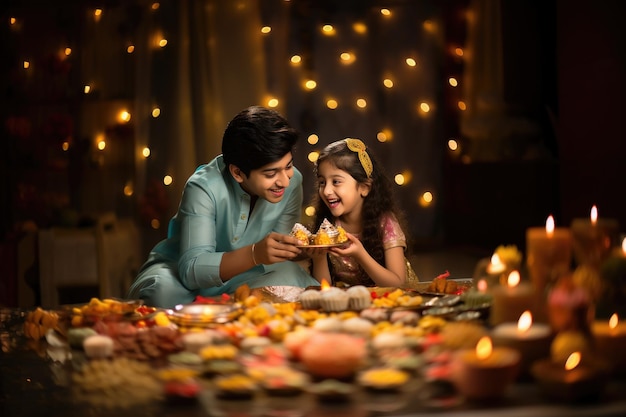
x: 340, y: 191
x: 268, y: 182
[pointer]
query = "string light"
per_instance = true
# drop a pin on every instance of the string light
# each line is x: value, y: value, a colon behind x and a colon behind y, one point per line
x: 453, y: 82
x: 26, y: 65
x: 384, y: 135
x: 168, y: 180
x: 309, y: 211
x: 385, y: 12
x: 156, y: 112
x: 145, y: 152
x: 266, y: 29
x: 426, y: 199
x: 313, y: 139
x: 424, y: 107
x: 347, y: 58
x: 328, y: 30
x: 310, y: 84
x: 360, y: 28
x: 97, y: 14
x: 388, y: 82
x: 130, y: 49
x: 361, y: 103
x: 124, y: 116
x: 312, y: 156
x: 296, y: 59
x: 129, y: 189
x: 332, y: 104
x: 67, y: 51
x: 411, y: 62
x: 100, y: 141
x: 87, y: 89
x: 462, y: 106
x: 272, y: 102
x: 453, y: 145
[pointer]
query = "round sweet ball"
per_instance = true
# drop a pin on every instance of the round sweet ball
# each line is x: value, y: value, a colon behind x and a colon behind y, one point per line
x: 358, y: 326
x: 328, y: 324
x: 333, y: 355
x: 310, y: 299
x: 98, y: 346
x: 359, y: 297
x: 194, y: 342
x: 334, y: 299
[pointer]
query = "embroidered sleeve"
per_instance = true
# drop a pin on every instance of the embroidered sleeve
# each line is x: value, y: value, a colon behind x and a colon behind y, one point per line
x: 392, y: 233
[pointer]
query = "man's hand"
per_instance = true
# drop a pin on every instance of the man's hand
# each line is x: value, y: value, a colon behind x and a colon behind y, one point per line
x: 276, y: 247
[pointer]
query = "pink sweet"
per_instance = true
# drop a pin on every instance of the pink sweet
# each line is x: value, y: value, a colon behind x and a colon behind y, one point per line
x: 333, y: 355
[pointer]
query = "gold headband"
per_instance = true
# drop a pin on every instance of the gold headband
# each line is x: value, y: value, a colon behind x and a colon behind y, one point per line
x: 355, y: 145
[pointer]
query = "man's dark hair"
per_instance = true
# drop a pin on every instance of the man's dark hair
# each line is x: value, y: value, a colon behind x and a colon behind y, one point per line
x: 255, y: 137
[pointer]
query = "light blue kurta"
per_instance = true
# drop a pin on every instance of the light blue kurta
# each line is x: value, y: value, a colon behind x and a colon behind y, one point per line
x: 213, y: 218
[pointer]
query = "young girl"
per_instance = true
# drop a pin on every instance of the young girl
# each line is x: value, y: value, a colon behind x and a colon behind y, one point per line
x: 354, y: 193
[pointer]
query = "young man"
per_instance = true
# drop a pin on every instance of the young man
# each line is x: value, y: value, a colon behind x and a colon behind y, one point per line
x: 233, y: 222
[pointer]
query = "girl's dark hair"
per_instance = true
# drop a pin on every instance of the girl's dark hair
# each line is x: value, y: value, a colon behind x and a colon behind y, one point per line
x: 255, y: 137
x: 379, y: 201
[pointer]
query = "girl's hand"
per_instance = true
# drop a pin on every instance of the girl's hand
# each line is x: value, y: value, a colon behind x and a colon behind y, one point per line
x: 352, y: 248
x: 276, y: 247
x: 315, y: 253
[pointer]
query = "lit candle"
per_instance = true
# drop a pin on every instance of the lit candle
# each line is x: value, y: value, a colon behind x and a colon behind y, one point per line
x: 610, y: 341
x: 511, y: 300
x: 485, y: 372
x: 548, y: 254
x: 491, y: 270
x: 594, y: 238
x: 532, y: 340
x: 572, y: 382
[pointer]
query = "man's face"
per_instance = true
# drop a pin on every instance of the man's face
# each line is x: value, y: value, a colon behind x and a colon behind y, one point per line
x: 270, y: 181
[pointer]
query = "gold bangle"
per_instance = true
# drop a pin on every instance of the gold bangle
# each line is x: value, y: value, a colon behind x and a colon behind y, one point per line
x: 253, y: 260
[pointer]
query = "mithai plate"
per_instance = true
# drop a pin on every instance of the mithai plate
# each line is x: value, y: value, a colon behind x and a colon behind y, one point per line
x: 204, y: 314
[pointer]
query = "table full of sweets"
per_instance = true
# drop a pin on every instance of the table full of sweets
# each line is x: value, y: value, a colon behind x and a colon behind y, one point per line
x: 322, y: 351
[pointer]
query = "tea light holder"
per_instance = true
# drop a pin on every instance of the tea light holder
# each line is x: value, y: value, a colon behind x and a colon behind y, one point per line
x: 531, y: 340
x: 572, y: 382
x: 484, y: 373
x: 609, y: 341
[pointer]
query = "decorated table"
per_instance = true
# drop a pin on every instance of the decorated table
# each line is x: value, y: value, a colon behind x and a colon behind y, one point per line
x: 41, y: 374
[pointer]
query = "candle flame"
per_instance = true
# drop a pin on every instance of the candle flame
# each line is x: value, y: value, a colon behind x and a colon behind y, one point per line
x: 482, y: 285
x: 484, y: 347
x: 550, y: 225
x: 624, y: 246
x: 525, y: 321
x: 572, y: 361
x: 514, y: 279
x: 613, y: 321
x: 594, y: 214
x: 495, y: 259
x: 325, y: 285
